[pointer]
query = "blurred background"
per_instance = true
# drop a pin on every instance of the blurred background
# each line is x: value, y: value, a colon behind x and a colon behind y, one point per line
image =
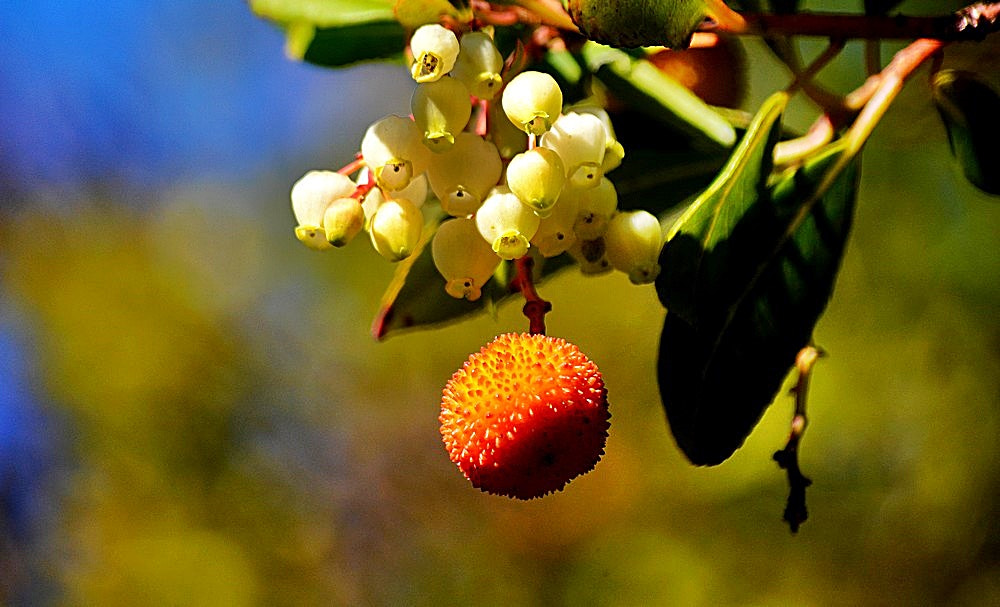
x: 192, y: 411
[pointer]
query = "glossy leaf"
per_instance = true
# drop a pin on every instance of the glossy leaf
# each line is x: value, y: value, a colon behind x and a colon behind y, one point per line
x: 775, y: 262
x: 340, y: 46
x: 644, y: 88
x: 702, y: 262
x: 969, y: 109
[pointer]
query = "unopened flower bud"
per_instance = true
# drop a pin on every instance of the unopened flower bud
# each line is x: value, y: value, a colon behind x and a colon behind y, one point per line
x: 342, y: 221
x: 311, y: 195
x: 506, y: 223
x: 555, y: 233
x: 537, y: 178
x: 441, y: 109
x: 595, y: 206
x: 395, y: 229
x: 479, y: 64
x: 633, y: 242
x: 532, y: 101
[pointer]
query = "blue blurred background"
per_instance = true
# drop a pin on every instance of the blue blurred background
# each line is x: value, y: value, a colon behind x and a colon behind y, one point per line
x: 192, y: 411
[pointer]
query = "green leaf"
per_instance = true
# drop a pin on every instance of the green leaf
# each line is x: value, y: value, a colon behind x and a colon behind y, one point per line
x: 414, y: 13
x: 700, y: 246
x: 340, y: 46
x: 969, y: 109
x: 324, y: 13
x: 644, y: 88
x: 416, y: 297
x: 634, y: 23
x: 774, y: 263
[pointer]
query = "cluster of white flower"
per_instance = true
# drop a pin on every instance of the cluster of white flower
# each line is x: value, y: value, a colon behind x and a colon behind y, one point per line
x: 518, y: 174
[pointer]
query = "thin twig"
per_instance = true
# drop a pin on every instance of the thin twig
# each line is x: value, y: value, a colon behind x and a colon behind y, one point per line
x: 796, y: 512
x: 971, y: 23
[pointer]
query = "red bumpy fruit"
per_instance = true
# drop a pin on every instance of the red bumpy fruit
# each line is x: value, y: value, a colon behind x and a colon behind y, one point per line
x: 525, y: 415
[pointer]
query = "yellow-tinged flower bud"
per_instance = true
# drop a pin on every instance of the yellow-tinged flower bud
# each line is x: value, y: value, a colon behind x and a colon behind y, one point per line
x: 342, y: 221
x: 441, y: 109
x: 596, y: 205
x: 633, y: 241
x: 537, y: 178
x: 555, y: 233
x: 506, y: 223
x: 395, y: 229
x: 479, y: 65
x: 532, y: 101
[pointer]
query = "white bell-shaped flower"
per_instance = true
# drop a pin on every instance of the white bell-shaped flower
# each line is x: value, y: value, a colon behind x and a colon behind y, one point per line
x: 463, y: 257
x: 435, y: 50
x: 310, y: 196
x: 579, y: 139
x: 462, y: 176
x: 393, y: 151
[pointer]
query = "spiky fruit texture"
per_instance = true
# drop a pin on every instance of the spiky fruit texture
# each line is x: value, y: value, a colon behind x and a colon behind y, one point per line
x: 525, y: 415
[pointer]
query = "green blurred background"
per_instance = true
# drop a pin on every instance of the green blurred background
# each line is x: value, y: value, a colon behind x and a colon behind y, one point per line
x: 193, y: 412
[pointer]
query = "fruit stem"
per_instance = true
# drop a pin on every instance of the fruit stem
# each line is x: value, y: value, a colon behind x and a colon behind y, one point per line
x: 535, y: 308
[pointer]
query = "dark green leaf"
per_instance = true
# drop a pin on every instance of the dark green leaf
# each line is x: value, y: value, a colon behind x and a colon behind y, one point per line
x: 720, y: 368
x: 969, y: 109
x: 702, y: 247
x: 339, y: 46
x: 644, y: 88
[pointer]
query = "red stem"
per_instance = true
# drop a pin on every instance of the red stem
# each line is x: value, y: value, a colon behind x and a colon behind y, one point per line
x: 535, y: 308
